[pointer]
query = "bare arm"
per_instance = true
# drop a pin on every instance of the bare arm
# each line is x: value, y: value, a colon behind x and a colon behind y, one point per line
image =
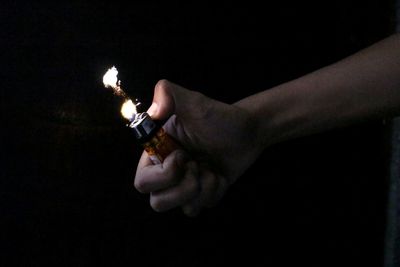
x: 214, y: 135
x: 363, y: 86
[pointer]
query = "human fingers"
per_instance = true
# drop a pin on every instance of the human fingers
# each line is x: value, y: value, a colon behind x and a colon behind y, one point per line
x: 170, y: 98
x: 212, y: 186
x: 163, y: 104
x: 151, y: 177
x: 179, y: 194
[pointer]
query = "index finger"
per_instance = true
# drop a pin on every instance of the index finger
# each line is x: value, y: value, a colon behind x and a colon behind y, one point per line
x: 151, y: 177
x: 144, y: 161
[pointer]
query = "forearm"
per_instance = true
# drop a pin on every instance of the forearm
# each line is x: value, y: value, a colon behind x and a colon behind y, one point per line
x: 363, y: 86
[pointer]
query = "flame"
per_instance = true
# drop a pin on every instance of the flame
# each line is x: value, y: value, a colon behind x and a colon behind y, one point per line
x: 128, y: 110
x: 110, y: 79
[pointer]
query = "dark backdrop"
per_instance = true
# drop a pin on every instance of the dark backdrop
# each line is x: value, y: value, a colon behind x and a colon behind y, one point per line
x: 68, y: 161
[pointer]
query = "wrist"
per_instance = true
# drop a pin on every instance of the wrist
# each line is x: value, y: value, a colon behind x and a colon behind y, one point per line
x: 278, y: 113
x: 264, y: 118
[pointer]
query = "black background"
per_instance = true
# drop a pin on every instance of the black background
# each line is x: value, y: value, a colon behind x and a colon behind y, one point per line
x: 68, y: 161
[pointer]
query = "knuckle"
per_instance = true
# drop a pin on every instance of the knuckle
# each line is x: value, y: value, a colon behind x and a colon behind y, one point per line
x: 156, y: 204
x: 193, y: 187
x: 140, y: 185
x: 162, y: 84
x: 173, y: 174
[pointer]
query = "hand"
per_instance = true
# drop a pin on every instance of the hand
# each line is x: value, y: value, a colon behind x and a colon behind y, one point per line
x: 218, y: 144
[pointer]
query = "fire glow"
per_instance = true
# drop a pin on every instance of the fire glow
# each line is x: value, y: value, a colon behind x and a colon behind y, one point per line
x: 155, y: 140
x: 110, y: 80
x: 128, y: 110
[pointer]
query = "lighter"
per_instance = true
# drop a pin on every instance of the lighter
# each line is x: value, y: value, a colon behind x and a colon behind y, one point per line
x: 156, y: 142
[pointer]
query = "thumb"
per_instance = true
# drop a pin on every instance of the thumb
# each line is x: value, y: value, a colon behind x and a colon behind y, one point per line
x: 170, y: 99
x: 163, y: 105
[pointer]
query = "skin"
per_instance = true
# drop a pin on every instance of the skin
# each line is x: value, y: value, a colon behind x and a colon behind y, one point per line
x: 363, y: 86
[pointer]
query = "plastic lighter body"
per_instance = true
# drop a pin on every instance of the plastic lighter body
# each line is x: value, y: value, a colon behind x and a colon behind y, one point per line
x: 155, y: 140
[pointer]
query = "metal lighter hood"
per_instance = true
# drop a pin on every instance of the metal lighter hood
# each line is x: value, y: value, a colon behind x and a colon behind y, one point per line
x: 143, y: 126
